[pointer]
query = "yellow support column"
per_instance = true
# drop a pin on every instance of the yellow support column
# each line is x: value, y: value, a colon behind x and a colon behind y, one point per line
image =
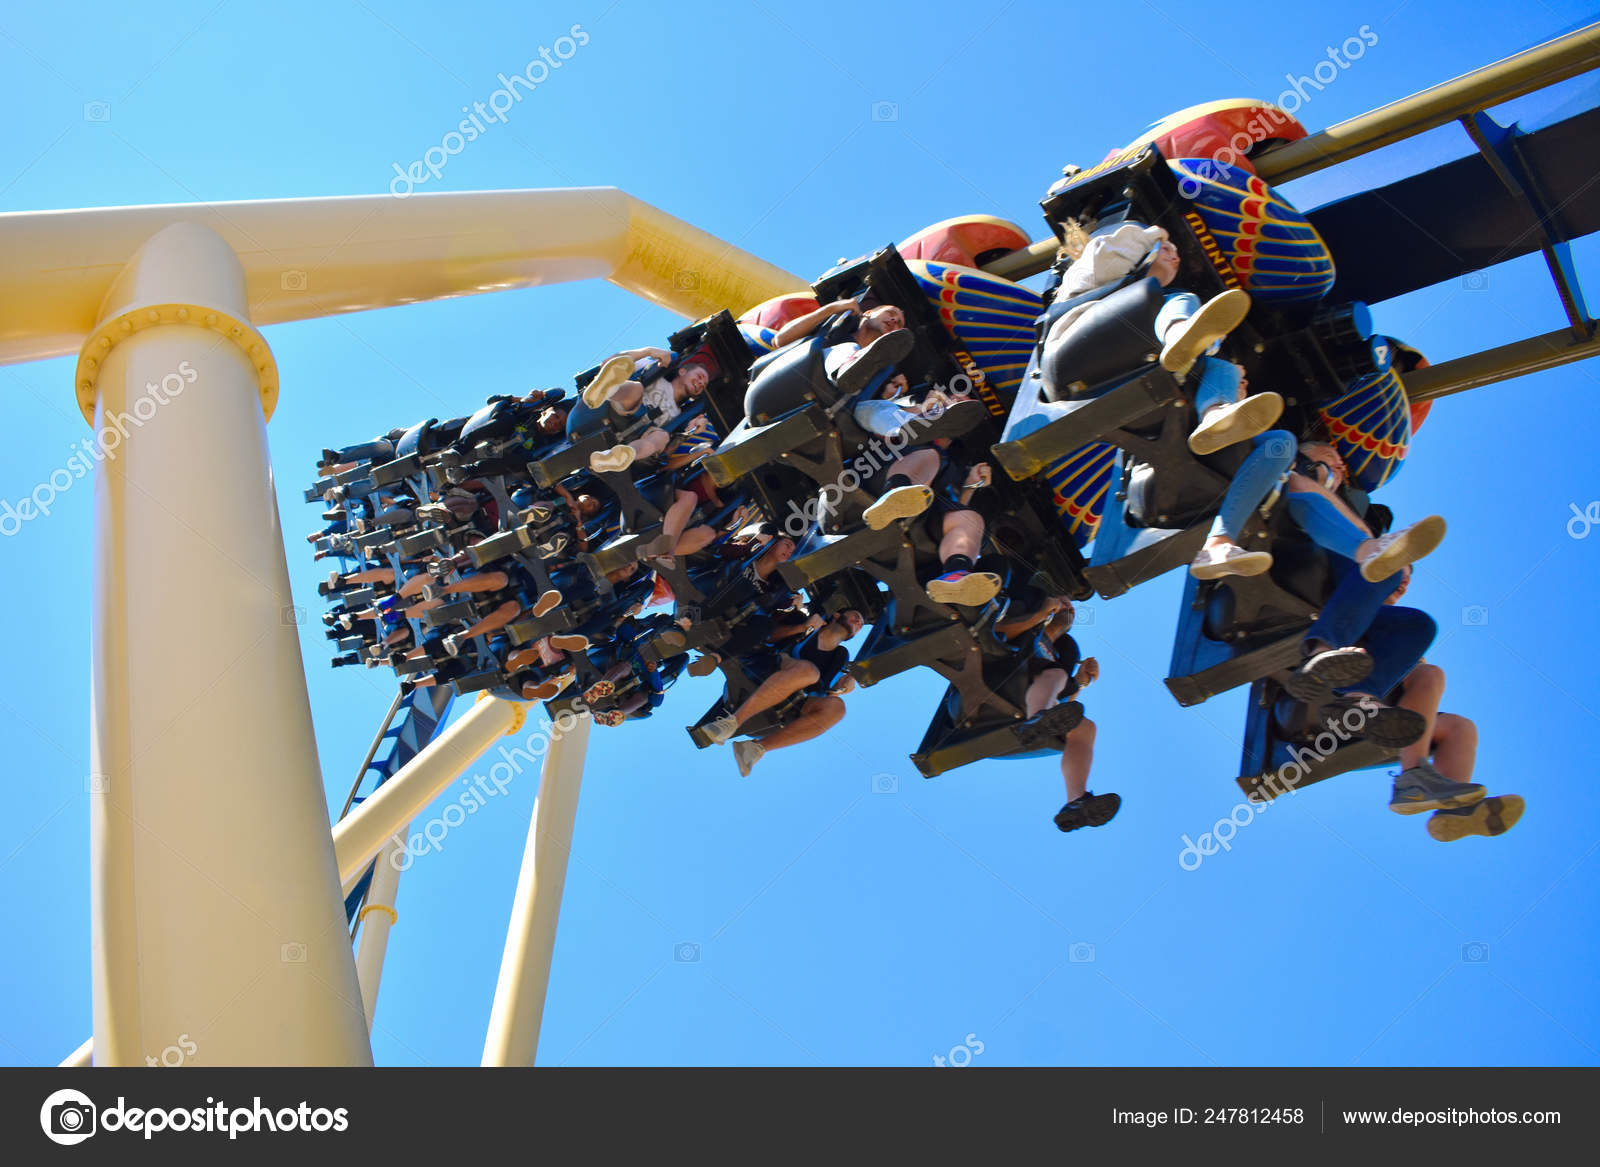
x: 216, y: 908
x: 518, y: 1010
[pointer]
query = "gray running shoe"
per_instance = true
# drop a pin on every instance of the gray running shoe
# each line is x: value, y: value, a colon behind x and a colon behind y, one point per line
x: 1493, y: 816
x: 1424, y: 788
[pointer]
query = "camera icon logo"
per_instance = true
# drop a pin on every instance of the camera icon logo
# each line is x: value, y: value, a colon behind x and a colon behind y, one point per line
x: 97, y: 111
x: 293, y: 614
x: 686, y: 281
x: 1475, y: 952
x: 293, y: 952
x: 885, y: 783
x: 68, y: 1117
x: 1083, y: 615
x: 885, y: 111
x: 1475, y: 281
x: 686, y: 953
x: 293, y: 280
x: 97, y: 783
x: 1081, y: 953
x: 1475, y: 616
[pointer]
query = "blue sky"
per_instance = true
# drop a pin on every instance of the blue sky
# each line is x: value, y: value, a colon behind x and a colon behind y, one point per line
x: 838, y: 922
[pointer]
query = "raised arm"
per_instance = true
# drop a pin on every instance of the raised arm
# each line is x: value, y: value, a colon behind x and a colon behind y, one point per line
x: 802, y: 326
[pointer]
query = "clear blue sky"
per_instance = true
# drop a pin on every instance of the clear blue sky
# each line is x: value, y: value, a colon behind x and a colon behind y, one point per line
x: 837, y: 925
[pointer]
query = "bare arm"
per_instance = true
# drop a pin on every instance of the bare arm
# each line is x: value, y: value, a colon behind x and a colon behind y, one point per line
x: 802, y: 326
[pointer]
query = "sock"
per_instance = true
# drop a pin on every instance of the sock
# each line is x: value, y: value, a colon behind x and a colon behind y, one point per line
x: 958, y: 563
x: 896, y: 481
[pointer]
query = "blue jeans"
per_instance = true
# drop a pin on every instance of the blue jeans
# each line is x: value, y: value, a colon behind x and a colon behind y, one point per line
x: 1328, y: 526
x: 1355, y: 615
x: 1175, y: 308
x: 1219, y: 385
x: 1268, y: 462
x: 883, y: 418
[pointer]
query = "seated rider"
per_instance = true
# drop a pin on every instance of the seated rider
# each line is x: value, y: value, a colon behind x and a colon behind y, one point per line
x: 1057, y: 673
x: 814, y: 665
x: 1189, y: 331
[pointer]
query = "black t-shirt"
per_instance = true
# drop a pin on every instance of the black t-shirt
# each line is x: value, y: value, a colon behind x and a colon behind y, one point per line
x: 1062, y: 653
x: 830, y: 662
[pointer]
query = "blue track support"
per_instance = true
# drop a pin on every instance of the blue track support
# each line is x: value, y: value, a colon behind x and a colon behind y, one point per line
x: 421, y: 715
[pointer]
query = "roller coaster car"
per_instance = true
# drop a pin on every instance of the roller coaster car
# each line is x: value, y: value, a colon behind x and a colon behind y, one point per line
x: 968, y: 240
x: 983, y: 712
x: 738, y: 687
x: 1286, y: 749
x: 1115, y: 392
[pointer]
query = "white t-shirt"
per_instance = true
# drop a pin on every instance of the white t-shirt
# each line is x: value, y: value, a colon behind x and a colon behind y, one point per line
x: 658, y: 396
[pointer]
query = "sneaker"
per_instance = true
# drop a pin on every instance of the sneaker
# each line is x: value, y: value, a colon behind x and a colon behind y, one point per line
x: 1055, y: 722
x: 903, y: 502
x: 569, y: 642
x: 887, y: 350
x: 553, y: 546
x: 598, y: 691
x: 547, y: 603
x: 1492, y: 816
x: 544, y: 690
x: 704, y: 665
x: 1092, y: 810
x: 1388, y: 726
x: 611, y: 377
x: 612, y: 461
x: 1399, y: 548
x: 611, y: 717
x: 967, y: 588
x: 1223, y: 425
x: 454, y: 643
x: 747, y: 753
x: 1323, y: 672
x: 539, y: 512
x: 435, y: 512
x: 1228, y: 559
x: 722, y: 729
x: 1187, y: 342
x: 1424, y: 788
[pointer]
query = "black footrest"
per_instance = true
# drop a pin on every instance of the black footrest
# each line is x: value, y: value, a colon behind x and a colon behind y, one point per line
x: 427, y: 539
x: 842, y: 553
x: 1240, y: 670
x: 943, y: 644
x: 395, y: 471
x: 477, y: 682
x: 455, y: 612
x: 552, y: 469
x: 760, y: 445
x: 499, y: 546
x: 1026, y: 456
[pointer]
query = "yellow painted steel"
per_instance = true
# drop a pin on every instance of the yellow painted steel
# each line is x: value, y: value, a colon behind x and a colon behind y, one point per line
x: 214, y: 896
x: 305, y: 258
x: 1522, y: 73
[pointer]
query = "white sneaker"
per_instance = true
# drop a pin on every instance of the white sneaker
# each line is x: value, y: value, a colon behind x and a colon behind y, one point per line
x: 617, y: 458
x: 903, y: 502
x: 1228, y: 559
x: 722, y: 729
x: 747, y: 754
x: 1399, y: 548
x: 1187, y: 342
x: 1223, y: 425
x: 607, y: 381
